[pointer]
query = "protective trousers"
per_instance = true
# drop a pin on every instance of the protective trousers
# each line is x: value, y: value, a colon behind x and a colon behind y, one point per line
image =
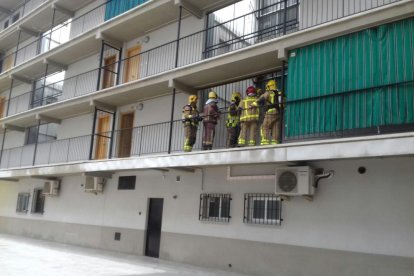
x: 190, y: 133
x: 248, y: 133
x: 232, y: 136
x: 270, y: 129
x: 208, y: 135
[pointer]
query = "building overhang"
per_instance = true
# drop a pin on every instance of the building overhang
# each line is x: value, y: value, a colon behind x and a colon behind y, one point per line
x: 378, y: 146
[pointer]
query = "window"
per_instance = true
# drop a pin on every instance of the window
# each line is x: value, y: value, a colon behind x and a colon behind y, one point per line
x: 215, y: 207
x: 42, y: 133
x: 262, y: 209
x: 126, y: 182
x: 22, y: 202
x: 15, y: 17
x: 38, y: 201
x: 6, y: 24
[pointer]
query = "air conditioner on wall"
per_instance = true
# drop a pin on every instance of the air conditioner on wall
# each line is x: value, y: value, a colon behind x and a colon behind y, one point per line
x: 51, y: 188
x: 294, y: 181
x: 94, y: 184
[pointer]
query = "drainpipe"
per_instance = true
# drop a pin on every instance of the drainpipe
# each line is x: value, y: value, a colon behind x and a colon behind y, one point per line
x: 174, y: 90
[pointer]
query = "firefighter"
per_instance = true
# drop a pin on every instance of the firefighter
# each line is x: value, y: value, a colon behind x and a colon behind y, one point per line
x: 211, y: 116
x: 249, y: 118
x: 191, y: 118
x: 233, y: 120
x: 271, y: 124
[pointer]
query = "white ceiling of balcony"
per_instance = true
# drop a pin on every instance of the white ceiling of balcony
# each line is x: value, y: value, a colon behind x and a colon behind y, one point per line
x: 73, y: 5
x: 10, y: 4
x: 42, y: 21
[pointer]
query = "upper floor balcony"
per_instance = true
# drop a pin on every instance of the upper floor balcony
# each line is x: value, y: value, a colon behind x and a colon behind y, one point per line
x: 248, y: 50
x: 71, y: 40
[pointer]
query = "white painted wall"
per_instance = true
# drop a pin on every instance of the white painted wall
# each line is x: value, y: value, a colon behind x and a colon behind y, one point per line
x: 369, y: 212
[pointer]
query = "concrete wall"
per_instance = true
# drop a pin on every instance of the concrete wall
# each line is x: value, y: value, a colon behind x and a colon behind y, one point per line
x: 358, y: 224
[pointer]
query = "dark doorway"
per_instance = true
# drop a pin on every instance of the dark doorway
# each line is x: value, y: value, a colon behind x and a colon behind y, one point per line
x: 152, y: 247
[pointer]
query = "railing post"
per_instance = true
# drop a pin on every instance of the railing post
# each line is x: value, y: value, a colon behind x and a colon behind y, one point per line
x: 37, y: 140
x: 93, y: 133
x: 284, y: 16
x: 112, y: 135
x: 100, y: 66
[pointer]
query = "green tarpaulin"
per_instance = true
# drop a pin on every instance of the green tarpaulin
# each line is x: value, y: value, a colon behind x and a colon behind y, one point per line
x: 356, y: 81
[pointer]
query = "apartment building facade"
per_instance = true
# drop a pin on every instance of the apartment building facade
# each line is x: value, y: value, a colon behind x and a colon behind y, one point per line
x: 92, y: 138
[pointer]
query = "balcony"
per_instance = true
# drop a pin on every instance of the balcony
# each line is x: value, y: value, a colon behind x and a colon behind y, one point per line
x: 160, y: 147
x: 248, y: 52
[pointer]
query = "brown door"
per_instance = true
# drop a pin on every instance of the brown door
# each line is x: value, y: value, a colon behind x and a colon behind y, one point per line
x: 132, y: 64
x: 8, y: 62
x: 2, y: 105
x: 125, y: 135
x: 109, y: 72
x: 102, y: 137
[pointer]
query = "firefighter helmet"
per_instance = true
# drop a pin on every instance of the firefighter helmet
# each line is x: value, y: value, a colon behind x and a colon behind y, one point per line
x: 235, y: 96
x: 212, y: 95
x: 251, y: 90
x: 271, y: 85
x: 192, y: 99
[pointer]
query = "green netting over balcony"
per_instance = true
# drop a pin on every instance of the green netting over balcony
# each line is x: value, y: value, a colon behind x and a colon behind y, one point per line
x: 117, y: 7
x: 357, y: 81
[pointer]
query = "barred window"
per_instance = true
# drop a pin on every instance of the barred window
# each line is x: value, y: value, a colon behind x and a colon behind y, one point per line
x: 38, y: 201
x: 215, y: 207
x: 262, y: 209
x: 22, y: 202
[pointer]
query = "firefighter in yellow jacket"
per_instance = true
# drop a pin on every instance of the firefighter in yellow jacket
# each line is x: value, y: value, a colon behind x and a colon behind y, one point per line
x: 271, y: 124
x: 233, y: 120
x: 249, y: 118
x: 191, y: 118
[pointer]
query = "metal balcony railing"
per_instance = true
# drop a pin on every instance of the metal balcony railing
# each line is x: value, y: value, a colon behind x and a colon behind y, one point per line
x: 263, y: 24
x: 155, y: 138
x: 58, y: 35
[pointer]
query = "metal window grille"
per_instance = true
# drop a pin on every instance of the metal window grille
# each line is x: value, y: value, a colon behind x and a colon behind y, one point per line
x: 22, y: 202
x: 38, y: 201
x: 215, y: 207
x: 262, y: 209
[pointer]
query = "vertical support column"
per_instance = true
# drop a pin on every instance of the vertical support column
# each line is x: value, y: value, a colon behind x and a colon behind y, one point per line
x: 51, y: 29
x: 206, y: 36
x: 112, y: 134
x: 282, y: 110
x: 37, y: 140
x: 17, y: 47
x: 2, y: 144
x: 8, y: 101
x: 174, y: 90
x: 93, y: 133
x: 118, y: 77
x: 100, y: 66
x: 284, y: 17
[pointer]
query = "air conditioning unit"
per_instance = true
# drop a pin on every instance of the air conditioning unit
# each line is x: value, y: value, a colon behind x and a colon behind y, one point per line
x: 294, y: 181
x: 51, y: 188
x: 94, y: 184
